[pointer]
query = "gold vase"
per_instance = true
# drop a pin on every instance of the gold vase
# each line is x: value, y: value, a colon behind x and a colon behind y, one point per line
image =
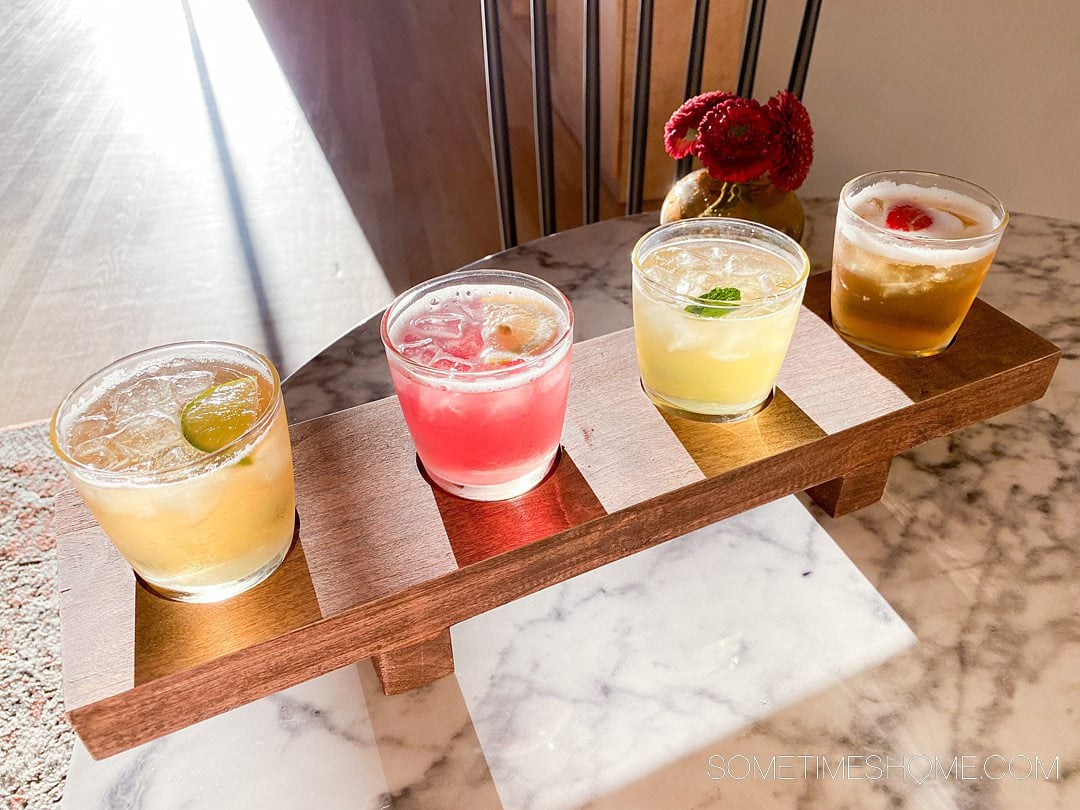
x: 701, y: 195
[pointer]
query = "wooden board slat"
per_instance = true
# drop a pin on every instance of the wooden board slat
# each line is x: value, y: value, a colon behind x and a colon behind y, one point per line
x: 608, y: 410
x: 369, y: 522
x: 383, y: 565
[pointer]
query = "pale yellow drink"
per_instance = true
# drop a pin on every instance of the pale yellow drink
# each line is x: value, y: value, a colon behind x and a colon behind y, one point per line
x: 195, y: 524
x: 716, y: 357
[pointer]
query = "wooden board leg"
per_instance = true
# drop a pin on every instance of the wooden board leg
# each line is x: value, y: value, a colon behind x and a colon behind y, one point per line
x: 861, y: 487
x: 418, y: 665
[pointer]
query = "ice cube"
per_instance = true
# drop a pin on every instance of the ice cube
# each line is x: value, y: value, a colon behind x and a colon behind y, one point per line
x: 466, y: 308
x: 131, y: 502
x: 189, y: 384
x: 177, y: 456
x: 946, y: 224
x: 467, y: 346
x: 728, y: 350
x: 686, y: 335
x: 703, y: 254
x: 102, y: 453
x: 446, y: 362
x: 549, y: 382
x: 772, y: 280
x: 88, y: 427
x: 148, y: 435
x: 420, y: 350
x: 193, y: 499
x: 744, y: 266
x: 439, y: 325
x: 139, y: 397
x: 694, y: 282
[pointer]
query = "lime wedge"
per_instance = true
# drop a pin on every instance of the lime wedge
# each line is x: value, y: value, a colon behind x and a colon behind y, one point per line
x: 221, y: 414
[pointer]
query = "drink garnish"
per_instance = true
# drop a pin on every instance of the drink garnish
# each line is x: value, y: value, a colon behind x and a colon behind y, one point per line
x: 908, y: 217
x: 725, y: 298
x: 221, y: 414
x: 514, y: 329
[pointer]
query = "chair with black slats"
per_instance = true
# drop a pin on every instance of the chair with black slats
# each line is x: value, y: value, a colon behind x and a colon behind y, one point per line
x: 545, y: 168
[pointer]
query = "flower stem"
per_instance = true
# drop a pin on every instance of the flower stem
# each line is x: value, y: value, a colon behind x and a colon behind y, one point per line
x: 729, y: 194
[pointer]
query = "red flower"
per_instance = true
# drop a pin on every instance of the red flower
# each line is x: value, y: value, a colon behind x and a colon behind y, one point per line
x: 735, y: 140
x: 686, y: 120
x: 794, y: 141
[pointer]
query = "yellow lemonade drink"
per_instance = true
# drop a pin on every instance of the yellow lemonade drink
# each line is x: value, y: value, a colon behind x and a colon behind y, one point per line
x: 182, y: 454
x: 715, y: 304
x: 911, y: 251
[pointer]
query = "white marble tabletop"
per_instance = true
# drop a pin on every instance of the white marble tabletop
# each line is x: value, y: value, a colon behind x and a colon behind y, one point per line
x: 942, y: 622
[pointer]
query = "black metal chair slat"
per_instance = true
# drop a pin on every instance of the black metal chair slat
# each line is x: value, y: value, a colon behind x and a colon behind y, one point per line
x: 755, y: 21
x: 545, y: 158
x: 635, y: 184
x: 591, y: 117
x: 695, y: 64
x: 498, y: 126
x: 801, y: 64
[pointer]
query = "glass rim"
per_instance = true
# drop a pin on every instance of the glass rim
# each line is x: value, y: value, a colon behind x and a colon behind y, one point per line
x: 683, y: 298
x: 163, y: 476
x: 410, y: 295
x: 961, y: 242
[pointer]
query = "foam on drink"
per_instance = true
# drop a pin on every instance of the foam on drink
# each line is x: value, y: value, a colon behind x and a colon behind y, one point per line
x: 955, y: 216
x: 478, y: 328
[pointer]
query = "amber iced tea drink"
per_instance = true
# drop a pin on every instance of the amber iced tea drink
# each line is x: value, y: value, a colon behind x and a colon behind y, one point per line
x: 911, y: 251
x: 182, y: 454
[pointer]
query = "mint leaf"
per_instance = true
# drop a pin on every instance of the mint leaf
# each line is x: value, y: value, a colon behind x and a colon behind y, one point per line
x: 724, y: 297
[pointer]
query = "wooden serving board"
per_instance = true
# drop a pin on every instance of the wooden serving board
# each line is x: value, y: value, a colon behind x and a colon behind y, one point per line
x: 384, y: 564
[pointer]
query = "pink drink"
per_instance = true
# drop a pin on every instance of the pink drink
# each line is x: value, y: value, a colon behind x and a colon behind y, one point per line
x: 481, y: 365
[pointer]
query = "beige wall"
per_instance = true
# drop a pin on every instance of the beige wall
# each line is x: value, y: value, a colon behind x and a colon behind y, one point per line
x: 986, y: 90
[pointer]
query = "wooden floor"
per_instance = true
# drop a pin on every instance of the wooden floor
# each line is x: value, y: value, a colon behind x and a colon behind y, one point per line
x: 140, y: 205
x: 395, y: 93
x: 159, y: 180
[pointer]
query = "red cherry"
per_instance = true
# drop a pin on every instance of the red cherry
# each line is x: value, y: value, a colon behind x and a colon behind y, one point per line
x: 908, y: 217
